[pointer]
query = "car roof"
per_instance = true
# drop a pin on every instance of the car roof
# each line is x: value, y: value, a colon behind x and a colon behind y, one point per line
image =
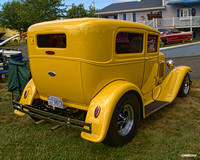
x: 89, y: 22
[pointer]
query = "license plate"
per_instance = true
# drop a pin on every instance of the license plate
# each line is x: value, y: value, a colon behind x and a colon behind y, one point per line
x: 55, y: 101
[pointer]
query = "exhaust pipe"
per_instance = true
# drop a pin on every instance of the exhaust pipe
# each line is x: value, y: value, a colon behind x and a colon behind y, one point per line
x: 55, y: 127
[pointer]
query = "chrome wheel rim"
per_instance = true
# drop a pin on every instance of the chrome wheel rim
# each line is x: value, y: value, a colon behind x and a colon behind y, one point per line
x: 125, y: 120
x: 186, y: 85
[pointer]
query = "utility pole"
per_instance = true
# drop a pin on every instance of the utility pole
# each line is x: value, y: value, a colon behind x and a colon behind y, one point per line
x: 93, y: 2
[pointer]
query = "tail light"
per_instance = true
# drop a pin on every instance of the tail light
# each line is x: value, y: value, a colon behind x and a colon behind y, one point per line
x: 50, y: 52
x: 97, y: 111
x: 25, y: 93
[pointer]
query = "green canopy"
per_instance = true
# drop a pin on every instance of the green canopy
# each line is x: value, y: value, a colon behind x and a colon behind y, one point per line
x: 18, y: 75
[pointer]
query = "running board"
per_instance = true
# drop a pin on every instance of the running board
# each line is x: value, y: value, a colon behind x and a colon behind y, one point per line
x: 154, y: 106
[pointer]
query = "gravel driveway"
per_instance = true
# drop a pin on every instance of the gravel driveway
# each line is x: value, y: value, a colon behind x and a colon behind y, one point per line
x: 193, y: 62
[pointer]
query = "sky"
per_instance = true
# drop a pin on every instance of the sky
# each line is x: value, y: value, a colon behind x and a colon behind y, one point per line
x: 99, y: 4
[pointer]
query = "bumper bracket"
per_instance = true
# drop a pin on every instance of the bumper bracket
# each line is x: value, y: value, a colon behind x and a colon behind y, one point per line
x: 54, y: 118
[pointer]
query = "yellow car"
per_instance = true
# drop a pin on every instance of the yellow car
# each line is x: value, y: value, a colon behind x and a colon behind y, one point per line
x: 18, y: 40
x: 102, y: 76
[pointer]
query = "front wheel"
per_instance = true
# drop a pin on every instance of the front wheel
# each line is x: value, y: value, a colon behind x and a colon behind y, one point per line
x: 185, y: 87
x: 124, y: 122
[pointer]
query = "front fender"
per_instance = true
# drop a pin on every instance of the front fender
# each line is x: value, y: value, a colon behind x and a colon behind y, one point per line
x: 32, y: 94
x: 107, y: 99
x: 172, y: 83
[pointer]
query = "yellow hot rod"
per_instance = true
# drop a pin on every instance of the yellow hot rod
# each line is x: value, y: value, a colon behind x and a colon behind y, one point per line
x: 102, y: 76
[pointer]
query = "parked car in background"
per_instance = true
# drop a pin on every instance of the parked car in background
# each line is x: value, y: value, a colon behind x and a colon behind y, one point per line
x: 9, y: 52
x: 174, y: 35
x: 19, y: 40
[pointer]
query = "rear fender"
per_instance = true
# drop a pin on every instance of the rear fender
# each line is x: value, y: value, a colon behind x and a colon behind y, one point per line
x: 106, y: 99
x: 172, y: 83
x: 32, y: 94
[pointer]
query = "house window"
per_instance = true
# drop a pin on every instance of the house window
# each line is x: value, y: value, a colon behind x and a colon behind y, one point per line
x: 129, y: 43
x: 124, y: 16
x: 185, y: 12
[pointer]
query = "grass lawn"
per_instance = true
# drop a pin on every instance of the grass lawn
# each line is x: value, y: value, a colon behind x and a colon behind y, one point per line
x: 165, y: 135
x: 12, y: 44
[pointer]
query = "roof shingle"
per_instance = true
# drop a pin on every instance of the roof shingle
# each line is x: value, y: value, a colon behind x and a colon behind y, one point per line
x: 131, y: 5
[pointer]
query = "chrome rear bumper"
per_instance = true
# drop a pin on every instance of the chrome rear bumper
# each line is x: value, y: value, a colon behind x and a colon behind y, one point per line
x: 54, y: 118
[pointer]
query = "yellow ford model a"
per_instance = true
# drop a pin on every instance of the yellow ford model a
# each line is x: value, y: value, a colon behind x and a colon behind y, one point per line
x: 102, y: 76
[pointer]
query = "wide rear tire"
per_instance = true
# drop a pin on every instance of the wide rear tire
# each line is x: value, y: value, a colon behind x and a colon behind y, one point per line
x: 124, y: 122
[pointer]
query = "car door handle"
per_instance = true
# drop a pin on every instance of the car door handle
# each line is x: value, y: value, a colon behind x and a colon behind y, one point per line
x: 148, y: 58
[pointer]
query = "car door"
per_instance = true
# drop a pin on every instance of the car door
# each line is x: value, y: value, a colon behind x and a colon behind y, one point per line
x: 129, y: 55
x: 177, y: 36
x: 151, y: 63
x: 171, y: 37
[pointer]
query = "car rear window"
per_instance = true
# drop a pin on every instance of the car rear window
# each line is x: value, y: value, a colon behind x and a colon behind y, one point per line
x: 51, y: 41
x: 129, y: 43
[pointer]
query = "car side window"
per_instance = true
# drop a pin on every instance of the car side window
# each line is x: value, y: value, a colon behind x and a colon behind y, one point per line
x: 129, y: 43
x: 152, y: 43
x: 169, y: 33
x: 176, y: 31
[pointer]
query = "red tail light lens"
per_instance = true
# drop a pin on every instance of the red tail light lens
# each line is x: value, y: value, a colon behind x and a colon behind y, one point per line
x: 50, y: 52
x: 26, y: 94
x: 97, y: 111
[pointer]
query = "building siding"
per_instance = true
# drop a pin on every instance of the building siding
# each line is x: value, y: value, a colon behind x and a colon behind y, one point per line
x: 169, y: 12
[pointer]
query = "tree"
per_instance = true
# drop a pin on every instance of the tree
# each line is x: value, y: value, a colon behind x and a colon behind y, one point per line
x: 10, y: 16
x: 42, y: 10
x: 19, y: 15
x: 77, y: 11
x: 91, y: 11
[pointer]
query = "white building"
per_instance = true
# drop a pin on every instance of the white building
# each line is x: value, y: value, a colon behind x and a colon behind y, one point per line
x: 183, y: 14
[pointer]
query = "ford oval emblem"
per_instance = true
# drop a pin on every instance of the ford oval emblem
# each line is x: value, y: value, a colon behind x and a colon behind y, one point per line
x: 52, y: 74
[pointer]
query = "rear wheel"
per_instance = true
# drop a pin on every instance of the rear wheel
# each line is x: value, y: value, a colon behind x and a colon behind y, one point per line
x: 185, y: 87
x: 124, y: 122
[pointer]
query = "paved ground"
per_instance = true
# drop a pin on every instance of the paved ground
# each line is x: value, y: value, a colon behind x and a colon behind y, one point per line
x: 24, y: 50
x: 193, y: 62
